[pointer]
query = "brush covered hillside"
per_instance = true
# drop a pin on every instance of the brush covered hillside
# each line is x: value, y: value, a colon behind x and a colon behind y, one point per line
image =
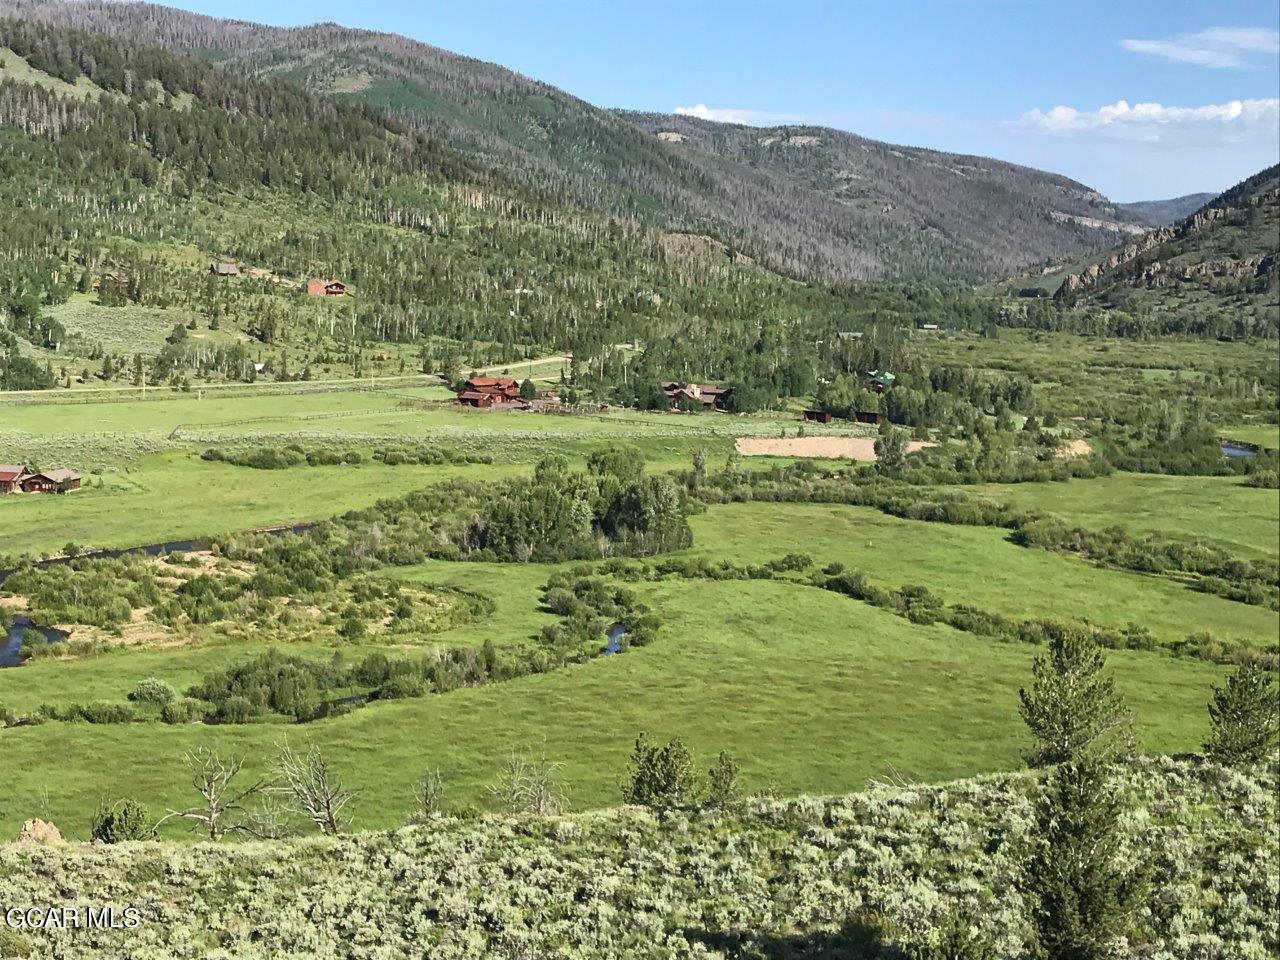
x: 872, y: 875
x: 128, y: 171
x: 1215, y: 272
x: 809, y: 203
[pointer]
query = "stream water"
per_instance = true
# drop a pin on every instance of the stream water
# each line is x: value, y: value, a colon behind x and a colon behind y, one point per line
x: 11, y: 649
x: 614, y: 638
x: 1237, y: 450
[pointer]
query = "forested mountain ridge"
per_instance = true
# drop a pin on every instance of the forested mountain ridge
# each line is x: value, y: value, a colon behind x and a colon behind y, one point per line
x: 1163, y: 213
x: 932, y: 208
x: 1222, y: 257
x: 127, y: 170
x: 813, y: 203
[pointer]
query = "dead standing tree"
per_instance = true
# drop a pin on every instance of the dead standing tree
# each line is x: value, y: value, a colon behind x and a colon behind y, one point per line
x: 213, y: 776
x: 311, y: 789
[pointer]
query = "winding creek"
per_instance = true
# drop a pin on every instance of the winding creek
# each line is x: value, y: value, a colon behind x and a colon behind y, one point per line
x: 20, y: 624
x: 1237, y: 450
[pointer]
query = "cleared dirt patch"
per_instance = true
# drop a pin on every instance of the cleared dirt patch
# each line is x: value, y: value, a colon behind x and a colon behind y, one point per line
x: 833, y: 448
x: 1076, y: 448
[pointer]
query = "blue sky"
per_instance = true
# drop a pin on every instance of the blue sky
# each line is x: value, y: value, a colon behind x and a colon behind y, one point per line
x: 1139, y: 99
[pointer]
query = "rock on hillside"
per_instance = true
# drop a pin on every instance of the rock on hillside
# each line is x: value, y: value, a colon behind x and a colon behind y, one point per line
x: 1229, y: 242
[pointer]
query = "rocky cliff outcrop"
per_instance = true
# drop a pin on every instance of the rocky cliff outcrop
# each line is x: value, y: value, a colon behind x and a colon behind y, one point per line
x: 1185, y: 252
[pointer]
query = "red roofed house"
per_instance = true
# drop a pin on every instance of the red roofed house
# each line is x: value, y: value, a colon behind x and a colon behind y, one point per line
x: 486, y: 391
x: 10, y: 476
x: 326, y: 288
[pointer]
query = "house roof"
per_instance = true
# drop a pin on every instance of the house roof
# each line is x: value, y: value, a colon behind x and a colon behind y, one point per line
x: 59, y: 475
x: 227, y: 269
x: 474, y: 395
x: 492, y: 382
x: 10, y: 472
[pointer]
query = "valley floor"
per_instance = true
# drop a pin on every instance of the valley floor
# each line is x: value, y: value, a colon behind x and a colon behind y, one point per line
x: 810, y: 690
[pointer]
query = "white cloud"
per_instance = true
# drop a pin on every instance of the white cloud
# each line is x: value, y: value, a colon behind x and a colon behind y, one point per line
x: 756, y: 118
x: 703, y: 112
x: 1235, y: 120
x: 1215, y: 47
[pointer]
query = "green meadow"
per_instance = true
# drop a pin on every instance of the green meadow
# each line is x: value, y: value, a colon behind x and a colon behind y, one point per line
x: 814, y: 693
x: 145, y: 481
x: 1219, y: 509
x: 974, y: 565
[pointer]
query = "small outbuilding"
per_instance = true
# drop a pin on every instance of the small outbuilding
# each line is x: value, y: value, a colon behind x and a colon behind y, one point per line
x: 819, y: 416
x: 224, y: 269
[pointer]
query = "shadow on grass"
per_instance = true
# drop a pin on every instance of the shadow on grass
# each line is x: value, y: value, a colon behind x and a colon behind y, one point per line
x: 856, y: 940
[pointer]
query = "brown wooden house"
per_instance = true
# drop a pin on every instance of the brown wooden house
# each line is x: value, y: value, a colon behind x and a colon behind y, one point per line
x: 868, y: 416
x: 11, y: 475
x: 708, y: 394
x: 326, y: 288
x: 487, y: 391
x: 819, y: 416
x: 50, y: 481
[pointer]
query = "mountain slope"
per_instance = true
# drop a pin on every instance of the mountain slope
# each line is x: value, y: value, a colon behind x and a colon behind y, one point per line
x: 933, y: 208
x: 802, y: 212
x: 1221, y: 259
x: 125, y: 171
x: 1163, y: 213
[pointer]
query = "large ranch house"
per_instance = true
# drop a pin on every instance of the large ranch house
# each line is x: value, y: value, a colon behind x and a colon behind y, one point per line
x: 486, y: 392
x: 708, y: 395
x: 15, y: 478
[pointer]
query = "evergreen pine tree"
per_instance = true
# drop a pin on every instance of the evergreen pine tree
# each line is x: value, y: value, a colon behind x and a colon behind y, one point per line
x: 1072, y: 704
x: 661, y: 777
x: 1244, y: 716
x: 1084, y: 888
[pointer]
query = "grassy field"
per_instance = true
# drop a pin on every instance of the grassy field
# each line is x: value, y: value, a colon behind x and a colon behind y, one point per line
x: 145, y: 481
x: 975, y: 565
x: 1219, y: 509
x: 1264, y: 434
x: 813, y: 692
x: 178, y: 496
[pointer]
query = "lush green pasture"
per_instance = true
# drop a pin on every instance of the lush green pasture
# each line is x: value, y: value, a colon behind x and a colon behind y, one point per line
x: 812, y: 691
x: 178, y: 496
x: 974, y: 565
x: 146, y: 483
x: 1221, y: 509
x: 1264, y: 434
